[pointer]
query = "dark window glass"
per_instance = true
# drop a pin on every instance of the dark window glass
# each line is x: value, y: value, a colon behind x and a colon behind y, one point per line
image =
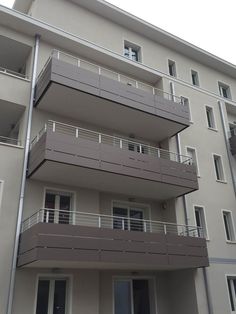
x: 64, y: 214
x: 50, y: 200
x: 119, y: 223
x: 42, y: 297
x: 122, y: 291
x: 231, y: 293
x: 227, y: 227
x: 134, y: 224
x: 59, y: 305
x: 141, y: 297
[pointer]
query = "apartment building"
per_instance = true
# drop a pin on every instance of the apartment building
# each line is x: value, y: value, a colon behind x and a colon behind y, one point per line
x: 117, y: 173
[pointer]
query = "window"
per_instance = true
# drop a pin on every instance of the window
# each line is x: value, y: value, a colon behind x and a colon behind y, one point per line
x: 52, y: 296
x: 210, y: 118
x: 218, y: 168
x: 228, y: 224
x: 232, y: 129
x: 132, y: 51
x: 224, y: 90
x: 200, y: 221
x: 191, y: 152
x: 59, y: 206
x: 133, y: 296
x: 195, y: 78
x: 185, y: 102
x: 172, y: 68
x: 232, y: 293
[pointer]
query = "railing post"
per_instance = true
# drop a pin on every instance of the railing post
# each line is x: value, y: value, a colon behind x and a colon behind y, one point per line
x: 54, y: 126
x: 165, y: 230
x: 118, y: 76
x: 100, y: 138
x: 136, y: 84
x: 153, y: 91
x: 58, y: 54
x: 29, y: 223
x: 76, y: 132
x: 145, y: 226
x: 99, y: 222
x: 123, y: 224
x: 99, y: 70
x: 121, y: 144
x: 78, y: 63
x: 158, y: 153
x: 47, y: 216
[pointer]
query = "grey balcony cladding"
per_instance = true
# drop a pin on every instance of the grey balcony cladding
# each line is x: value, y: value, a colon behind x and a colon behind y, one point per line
x: 89, y: 82
x: 67, y: 149
x: 48, y: 242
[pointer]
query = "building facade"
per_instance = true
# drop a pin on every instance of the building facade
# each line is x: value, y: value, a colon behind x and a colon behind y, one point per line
x: 117, y: 173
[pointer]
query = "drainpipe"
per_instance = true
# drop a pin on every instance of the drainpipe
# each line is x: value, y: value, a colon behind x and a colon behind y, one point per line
x: 183, y: 197
x: 227, y: 143
x: 23, y: 179
x: 208, y: 295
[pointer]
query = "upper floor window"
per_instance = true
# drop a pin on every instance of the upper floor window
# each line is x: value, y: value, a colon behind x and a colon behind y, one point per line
x: 200, y: 221
x: 228, y: 224
x: 132, y: 51
x: 232, y: 292
x: 210, y: 118
x: 224, y: 90
x: 191, y: 152
x: 195, y: 78
x: 218, y: 168
x: 185, y: 102
x: 172, y: 68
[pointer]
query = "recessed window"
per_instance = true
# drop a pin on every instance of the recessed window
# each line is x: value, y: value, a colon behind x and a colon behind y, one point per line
x: 232, y: 293
x: 210, y: 118
x: 172, y: 68
x: 133, y: 296
x: 131, y: 51
x: 185, y: 102
x: 191, y: 152
x: 195, y: 78
x: 218, y: 168
x: 228, y: 224
x: 200, y: 221
x: 52, y: 296
x: 224, y: 90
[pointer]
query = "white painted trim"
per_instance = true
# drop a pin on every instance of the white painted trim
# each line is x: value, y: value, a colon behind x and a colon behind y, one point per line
x: 172, y: 60
x: 229, y: 276
x: 11, y: 145
x: 194, y: 148
x: 144, y: 206
x: 213, y: 115
x: 227, y: 86
x: 198, y: 77
x: 205, y: 218
x: 139, y: 46
x: 232, y: 222
x: 69, y: 296
x: 223, y: 169
x: 127, y: 278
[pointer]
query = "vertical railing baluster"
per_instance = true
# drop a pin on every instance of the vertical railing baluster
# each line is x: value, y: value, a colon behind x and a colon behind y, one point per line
x: 76, y: 132
x: 165, y: 230
x: 99, y: 222
x: 123, y: 224
x: 54, y: 126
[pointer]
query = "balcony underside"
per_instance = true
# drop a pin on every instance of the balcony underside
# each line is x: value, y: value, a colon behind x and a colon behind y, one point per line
x: 67, y: 246
x: 66, y: 160
x: 70, y: 91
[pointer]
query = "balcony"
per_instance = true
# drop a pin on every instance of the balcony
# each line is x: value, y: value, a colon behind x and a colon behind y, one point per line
x: 55, y: 238
x: 102, y: 97
x: 74, y: 156
x: 232, y: 141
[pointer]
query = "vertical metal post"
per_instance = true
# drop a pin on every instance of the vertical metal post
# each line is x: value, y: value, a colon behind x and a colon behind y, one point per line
x: 23, y: 178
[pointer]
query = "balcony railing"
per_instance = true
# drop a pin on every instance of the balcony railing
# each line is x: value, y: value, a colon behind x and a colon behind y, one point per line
x: 9, y: 140
x: 76, y: 218
x: 125, y: 144
x: 13, y: 73
x: 84, y: 64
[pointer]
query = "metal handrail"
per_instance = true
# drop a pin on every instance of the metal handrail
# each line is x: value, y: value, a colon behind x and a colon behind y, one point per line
x: 56, y: 216
x: 14, y: 73
x: 101, y: 138
x: 9, y: 140
x: 79, y: 62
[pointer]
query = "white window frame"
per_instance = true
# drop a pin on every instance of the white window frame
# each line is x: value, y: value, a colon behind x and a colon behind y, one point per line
x: 131, y: 46
x: 232, y: 277
x: 231, y: 226
x: 222, y: 85
x: 223, y: 180
x: 213, y: 118
x: 130, y: 278
x: 142, y: 206
x: 206, y: 232
x: 47, y: 276
x: 196, y: 155
x: 194, y: 72
x: 65, y: 192
x: 189, y: 106
x: 172, y: 63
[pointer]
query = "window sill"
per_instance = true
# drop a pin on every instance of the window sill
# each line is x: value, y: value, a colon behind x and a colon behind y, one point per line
x: 230, y: 242
x: 212, y: 129
x: 221, y: 181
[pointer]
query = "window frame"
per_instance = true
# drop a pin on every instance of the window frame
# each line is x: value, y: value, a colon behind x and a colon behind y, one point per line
x: 195, y: 74
x: 131, y: 45
x: 223, y: 179
x: 222, y: 85
x: 172, y: 63
x: 207, y: 107
x: 196, y: 156
x: 69, y: 292
x: 205, y: 227
x: 227, y: 278
x: 230, y: 225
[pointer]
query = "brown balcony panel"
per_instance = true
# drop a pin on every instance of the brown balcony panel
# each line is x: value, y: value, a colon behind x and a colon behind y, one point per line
x: 72, y: 91
x: 232, y: 142
x: 57, y: 245
x: 68, y: 160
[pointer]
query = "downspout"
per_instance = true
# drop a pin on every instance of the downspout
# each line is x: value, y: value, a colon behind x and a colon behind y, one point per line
x: 208, y: 296
x: 23, y: 180
x: 227, y: 143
